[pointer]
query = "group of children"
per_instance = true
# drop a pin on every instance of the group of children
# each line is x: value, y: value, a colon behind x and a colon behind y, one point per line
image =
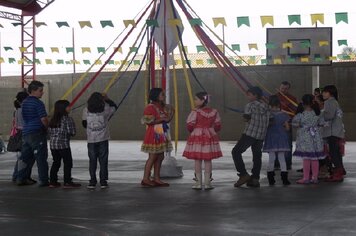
x: 318, y: 122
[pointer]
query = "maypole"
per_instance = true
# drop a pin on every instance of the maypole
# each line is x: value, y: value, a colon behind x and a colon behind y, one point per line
x: 167, y: 42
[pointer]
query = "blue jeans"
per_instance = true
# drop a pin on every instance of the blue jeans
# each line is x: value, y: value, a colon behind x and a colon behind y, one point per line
x: 98, y: 151
x: 34, y: 148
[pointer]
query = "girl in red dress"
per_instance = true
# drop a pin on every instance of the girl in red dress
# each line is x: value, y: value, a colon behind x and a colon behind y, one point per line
x: 157, y: 140
x: 203, y: 142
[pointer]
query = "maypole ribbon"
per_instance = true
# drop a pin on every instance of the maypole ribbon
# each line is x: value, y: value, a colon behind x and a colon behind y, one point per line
x: 102, y: 67
x: 176, y: 114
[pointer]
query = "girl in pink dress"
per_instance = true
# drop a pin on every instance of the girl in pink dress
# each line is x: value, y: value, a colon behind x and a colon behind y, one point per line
x: 203, y: 142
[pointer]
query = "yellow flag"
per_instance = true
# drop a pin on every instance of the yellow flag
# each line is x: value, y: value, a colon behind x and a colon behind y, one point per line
x: 252, y: 46
x: 54, y: 49
x: 86, y: 49
x: 219, y: 20
x: 267, y: 20
x: 48, y: 61
x: 21, y: 61
x: 85, y: 24
x: 287, y: 45
x: 186, y: 49
x: 332, y: 58
x: 157, y: 62
x: 23, y: 49
x: 98, y: 62
x: 317, y: 17
x: 199, y: 62
x: 129, y: 22
x: 304, y: 59
x: 323, y: 43
x: 178, y: 62
x: 277, y: 61
x: 116, y: 62
x: 2, y: 60
x: 221, y: 47
x: 74, y: 62
x: 175, y: 22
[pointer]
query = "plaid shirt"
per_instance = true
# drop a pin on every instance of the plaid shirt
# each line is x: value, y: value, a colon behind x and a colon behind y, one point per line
x: 256, y: 126
x: 60, y: 137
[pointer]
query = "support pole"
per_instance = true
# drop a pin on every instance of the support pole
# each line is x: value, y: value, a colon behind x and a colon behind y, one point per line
x: 315, y: 78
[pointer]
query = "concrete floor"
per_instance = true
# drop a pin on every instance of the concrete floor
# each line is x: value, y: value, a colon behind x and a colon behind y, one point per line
x: 127, y: 209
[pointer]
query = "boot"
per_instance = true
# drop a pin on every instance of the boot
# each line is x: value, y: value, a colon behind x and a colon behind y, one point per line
x: 207, y: 181
x: 270, y: 177
x: 198, y: 182
x: 284, y: 177
x: 337, y: 175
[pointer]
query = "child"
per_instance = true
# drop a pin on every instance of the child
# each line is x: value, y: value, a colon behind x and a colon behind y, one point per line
x: 257, y: 117
x: 309, y: 144
x: 156, y: 142
x: 277, y: 141
x: 334, y: 131
x: 203, y: 142
x: 61, y: 128
x: 95, y: 119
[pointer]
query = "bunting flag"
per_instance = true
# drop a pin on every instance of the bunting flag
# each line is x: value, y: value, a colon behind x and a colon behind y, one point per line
x: 118, y: 49
x: 175, y: 22
x: 305, y: 44
x: 98, y: 62
x: 111, y: 62
x: 341, y: 16
x: 117, y: 62
x: 199, y: 62
x: 235, y: 47
x: 1, y: 26
x: 101, y: 50
x: 267, y: 20
x: 238, y: 62
x: 37, y: 61
x: 332, y: 58
x: 304, y: 59
x: 323, y: 43
x: 287, y: 45
x: 178, y: 62
x: 152, y: 23
x: 105, y: 23
x: 86, y: 49
x: 2, y: 60
x: 67, y: 62
x: 12, y: 60
x: 252, y: 46
x: 8, y: 48
x: 49, y: 61
x: 342, y: 42
x: 210, y: 61
x: 219, y: 21
x: 16, y: 24
x: 195, y: 22
x: 315, y: 18
x: 137, y: 62
x: 127, y: 23
x: 318, y: 58
x: 263, y: 61
x: 39, y: 49
x: 243, y: 20
x: 270, y: 46
x: 277, y: 61
x: 221, y: 47
x: 39, y: 24
x: 62, y: 23
x: 133, y: 49
x: 23, y: 49
x: 294, y: 19
x: 60, y: 62
x: 201, y: 48
x: 54, y: 49
x: 186, y: 49
x: 291, y: 59
x: 70, y: 50
x: 74, y: 62
x: 83, y: 24
x: 86, y: 62
x: 21, y: 61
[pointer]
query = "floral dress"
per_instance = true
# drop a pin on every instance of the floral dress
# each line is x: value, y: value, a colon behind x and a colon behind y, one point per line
x: 203, y: 141
x: 309, y: 143
x: 157, y: 138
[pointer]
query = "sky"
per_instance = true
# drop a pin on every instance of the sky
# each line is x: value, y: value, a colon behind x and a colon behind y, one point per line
x: 73, y: 11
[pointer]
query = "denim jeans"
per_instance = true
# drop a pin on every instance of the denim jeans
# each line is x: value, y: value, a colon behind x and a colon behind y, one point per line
x: 59, y: 155
x: 242, y: 145
x: 98, y: 151
x: 34, y: 148
x: 14, y: 175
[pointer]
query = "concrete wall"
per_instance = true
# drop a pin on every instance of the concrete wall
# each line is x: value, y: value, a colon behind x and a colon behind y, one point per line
x: 125, y: 125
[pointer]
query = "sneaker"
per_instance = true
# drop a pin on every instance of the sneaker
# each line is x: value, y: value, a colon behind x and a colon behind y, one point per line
x: 54, y: 184
x: 104, y: 185
x: 255, y: 183
x: 71, y: 185
x: 91, y: 186
x: 242, y: 180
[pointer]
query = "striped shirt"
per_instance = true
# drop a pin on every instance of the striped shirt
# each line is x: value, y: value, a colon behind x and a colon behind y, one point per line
x: 256, y: 126
x: 33, y: 110
x: 60, y: 137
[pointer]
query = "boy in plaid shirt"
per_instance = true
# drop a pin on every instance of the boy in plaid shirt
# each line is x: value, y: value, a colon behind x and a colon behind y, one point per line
x: 257, y: 116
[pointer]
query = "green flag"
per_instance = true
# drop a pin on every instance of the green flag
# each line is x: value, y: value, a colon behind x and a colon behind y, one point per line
x: 270, y: 46
x: 86, y: 62
x: 101, y: 50
x: 111, y: 62
x: 200, y: 48
x: 294, y: 19
x: 62, y: 23
x: 195, y: 21
x: 133, y: 49
x: 342, y: 16
x: 137, y: 62
x: 243, y: 20
x: 305, y: 44
x: 342, y: 42
x: 210, y: 61
x: 8, y: 48
x: 60, y: 62
x: 70, y: 49
x: 238, y: 62
x: 105, y: 23
x: 263, y: 61
x: 152, y: 22
x: 235, y: 47
x: 12, y: 60
x: 39, y: 49
x: 16, y: 24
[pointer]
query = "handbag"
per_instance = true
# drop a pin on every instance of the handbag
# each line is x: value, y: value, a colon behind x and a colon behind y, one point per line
x: 15, y: 142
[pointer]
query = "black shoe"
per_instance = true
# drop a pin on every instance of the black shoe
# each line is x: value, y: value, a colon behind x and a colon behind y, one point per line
x: 91, y: 186
x: 255, y: 183
x: 104, y: 185
x: 71, y: 185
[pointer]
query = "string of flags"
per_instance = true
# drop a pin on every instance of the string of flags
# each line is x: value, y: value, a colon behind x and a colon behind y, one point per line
x: 240, y: 20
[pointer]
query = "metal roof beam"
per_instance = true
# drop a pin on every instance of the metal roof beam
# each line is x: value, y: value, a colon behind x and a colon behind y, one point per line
x: 10, y: 16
